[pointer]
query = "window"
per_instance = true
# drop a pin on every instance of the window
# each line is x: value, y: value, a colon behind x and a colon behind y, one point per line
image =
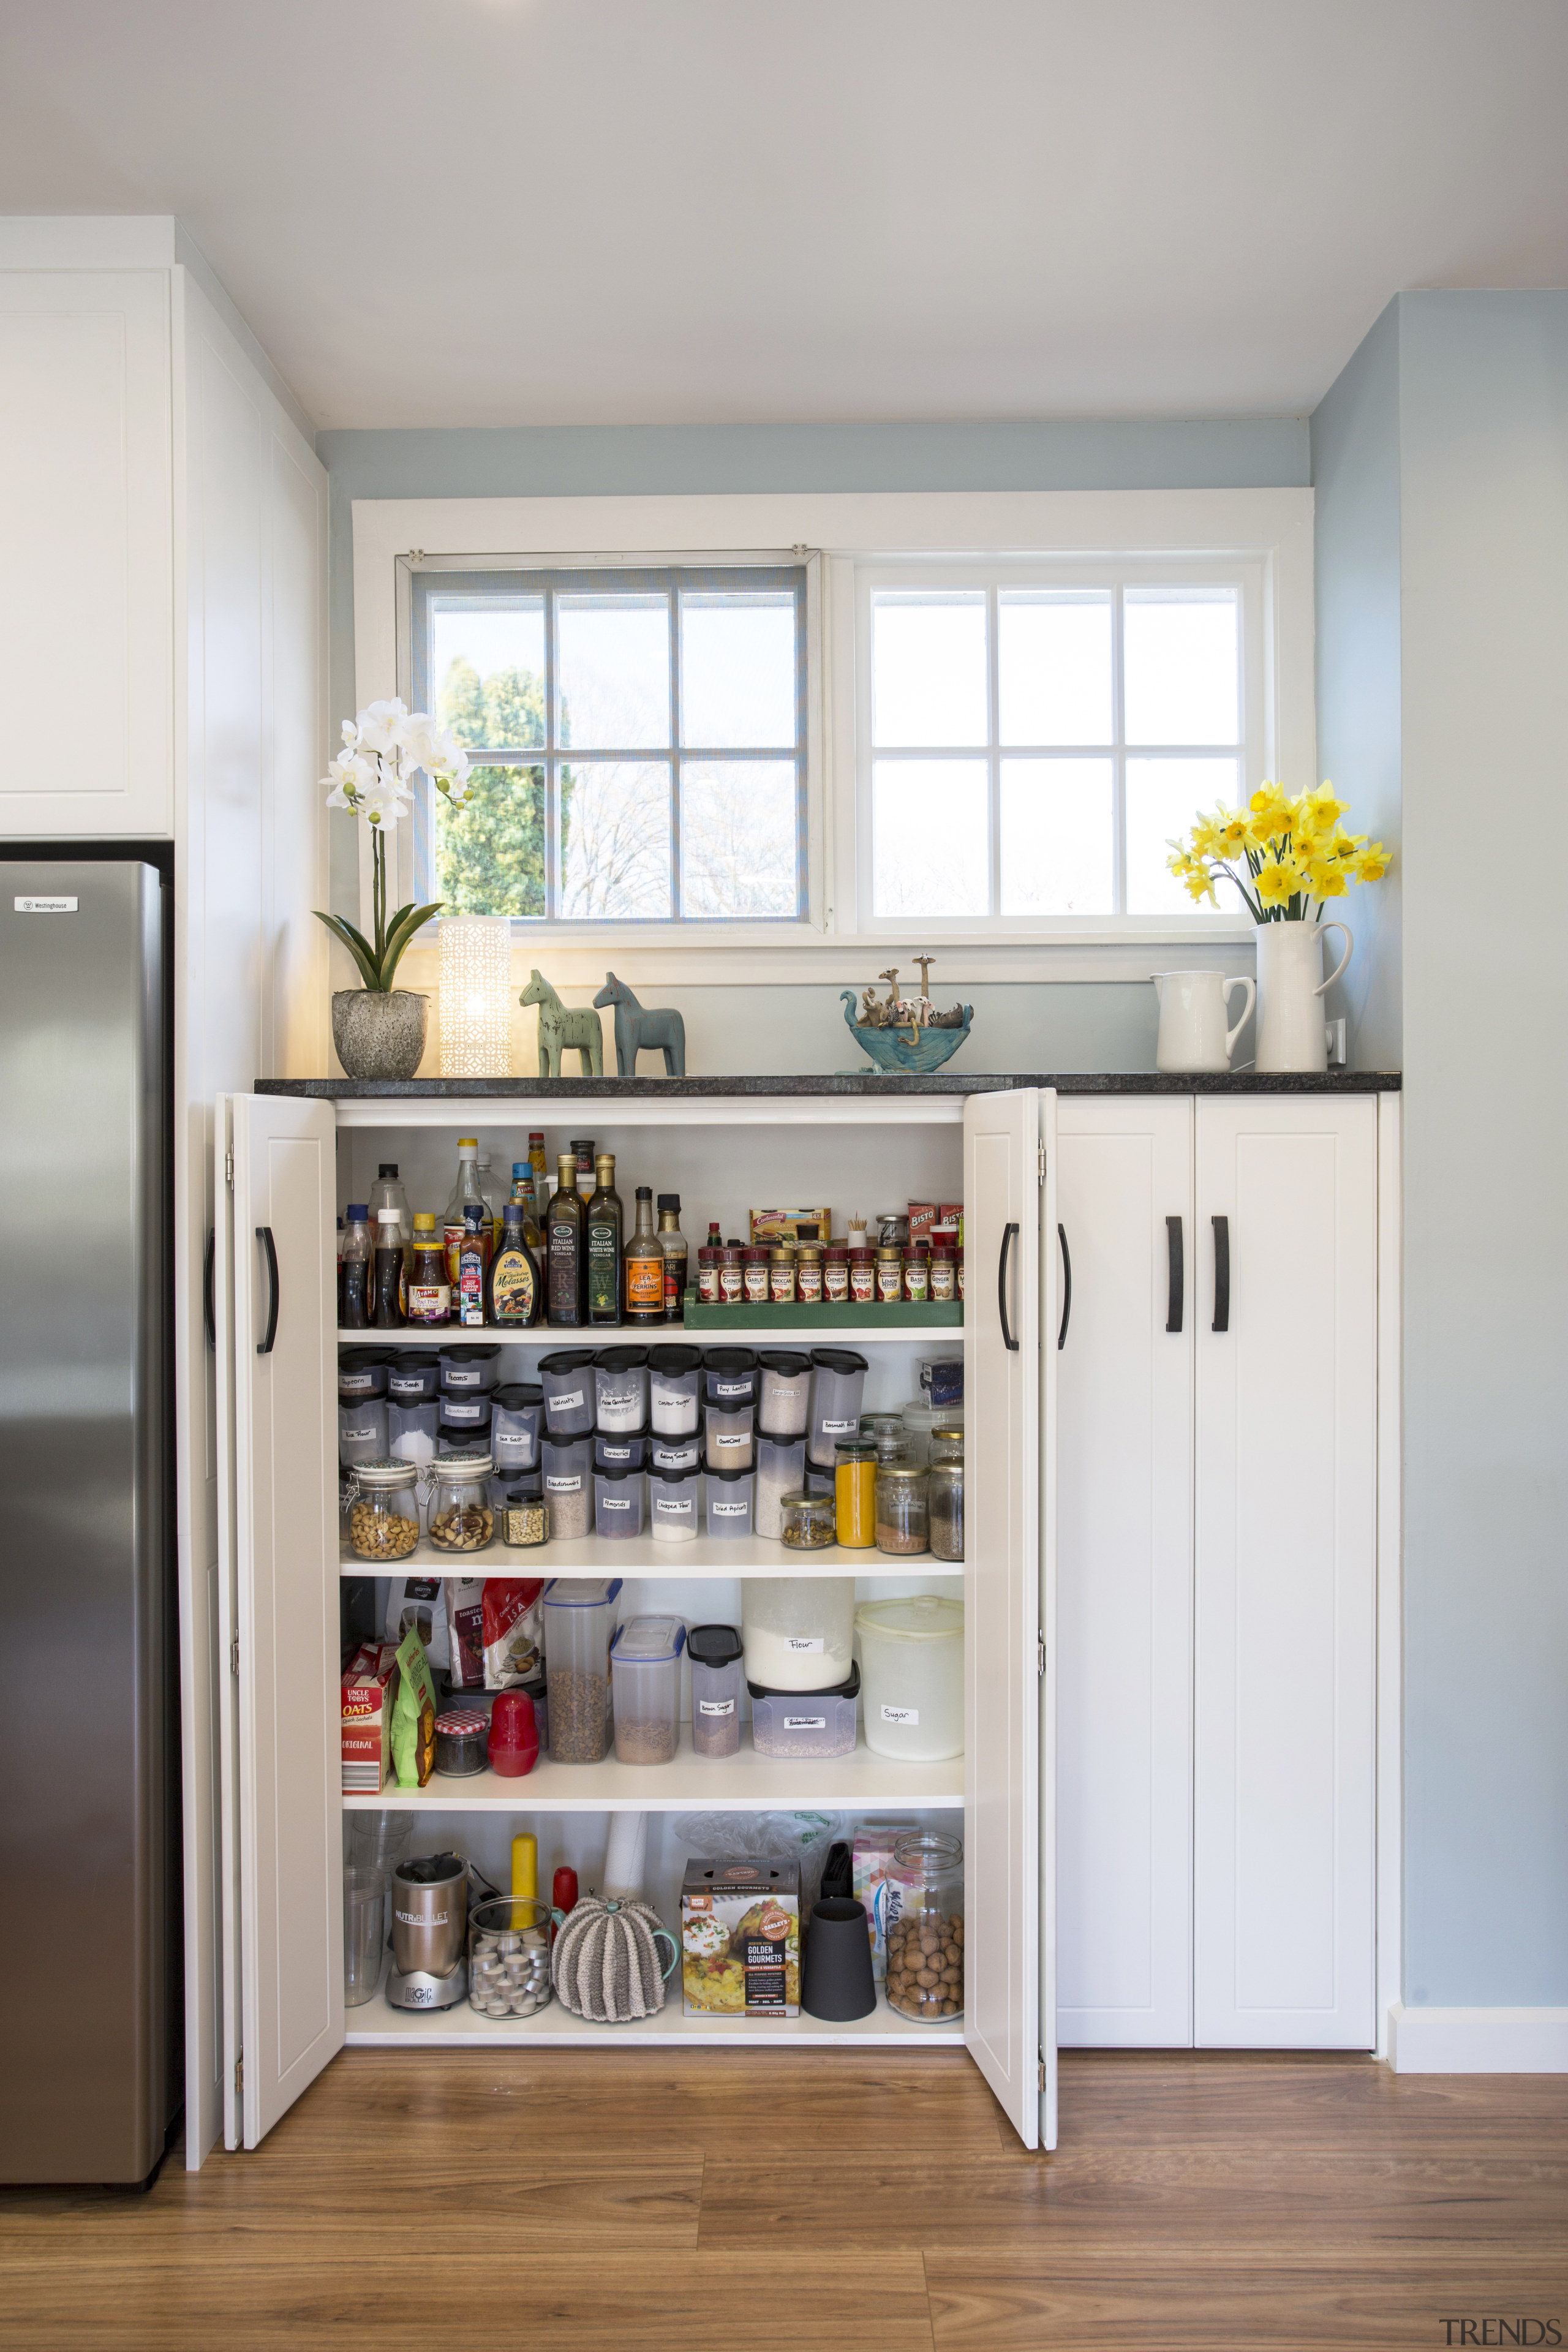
x: 638, y: 741
x: 1030, y: 739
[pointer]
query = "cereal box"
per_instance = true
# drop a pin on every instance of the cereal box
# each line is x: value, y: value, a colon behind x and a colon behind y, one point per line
x: 369, y: 1689
x: 740, y: 1937
x: 875, y: 1886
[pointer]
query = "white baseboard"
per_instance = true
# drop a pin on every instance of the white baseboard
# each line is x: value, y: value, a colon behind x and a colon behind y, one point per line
x: 1478, y: 2040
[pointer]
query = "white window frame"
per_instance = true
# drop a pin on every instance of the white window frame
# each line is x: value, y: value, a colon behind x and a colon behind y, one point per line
x: 838, y: 533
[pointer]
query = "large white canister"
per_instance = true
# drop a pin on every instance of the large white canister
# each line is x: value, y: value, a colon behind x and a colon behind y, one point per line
x: 798, y: 1632
x: 911, y: 1677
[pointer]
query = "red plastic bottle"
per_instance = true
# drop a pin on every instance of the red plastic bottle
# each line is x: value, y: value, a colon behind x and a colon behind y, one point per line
x: 514, y: 1734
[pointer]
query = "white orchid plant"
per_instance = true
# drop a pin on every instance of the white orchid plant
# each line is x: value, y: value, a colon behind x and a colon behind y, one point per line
x: 373, y: 776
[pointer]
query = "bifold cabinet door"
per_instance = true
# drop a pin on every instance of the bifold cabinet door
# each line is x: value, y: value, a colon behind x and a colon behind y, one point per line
x: 1124, y: 1604
x: 283, y: 1532
x: 1008, y: 1799
x: 1286, y: 1570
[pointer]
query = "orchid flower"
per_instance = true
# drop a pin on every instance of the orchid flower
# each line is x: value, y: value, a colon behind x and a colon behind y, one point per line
x: 373, y: 776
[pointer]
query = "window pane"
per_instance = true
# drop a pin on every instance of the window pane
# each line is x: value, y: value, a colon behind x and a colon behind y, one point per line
x: 615, y: 839
x: 487, y: 669
x: 613, y: 659
x: 1181, y: 658
x: 1054, y: 666
x: 737, y: 673
x: 738, y: 837
x: 929, y: 853
x: 928, y: 667
x: 489, y: 853
x: 1163, y: 796
x: 1058, y: 838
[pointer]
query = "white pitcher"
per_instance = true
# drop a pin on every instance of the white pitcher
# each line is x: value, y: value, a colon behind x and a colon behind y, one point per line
x: 1291, y: 1035
x: 1194, y: 1009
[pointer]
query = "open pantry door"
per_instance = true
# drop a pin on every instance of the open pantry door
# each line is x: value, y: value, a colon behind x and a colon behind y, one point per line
x: 285, y: 1665
x: 1002, y: 1192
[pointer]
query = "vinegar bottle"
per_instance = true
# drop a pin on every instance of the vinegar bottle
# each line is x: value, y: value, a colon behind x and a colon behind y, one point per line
x: 602, y: 1227
x: 645, y: 1265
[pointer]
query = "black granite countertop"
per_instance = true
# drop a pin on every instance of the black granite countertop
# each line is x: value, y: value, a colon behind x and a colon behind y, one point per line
x: 869, y: 1083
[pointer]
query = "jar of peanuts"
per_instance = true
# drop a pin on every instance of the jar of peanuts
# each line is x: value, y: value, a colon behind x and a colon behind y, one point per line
x: 925, y: 1942
x: 384, y: 1511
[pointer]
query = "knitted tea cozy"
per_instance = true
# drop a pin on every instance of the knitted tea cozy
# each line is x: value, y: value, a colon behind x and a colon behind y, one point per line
x: 606, y: 1965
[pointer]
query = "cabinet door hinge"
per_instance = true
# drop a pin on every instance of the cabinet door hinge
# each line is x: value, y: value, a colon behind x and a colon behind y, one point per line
x: 1042, y: 1159
x: 234, y: 1656
x: 228, y: 1169
x: 1040, y: 1652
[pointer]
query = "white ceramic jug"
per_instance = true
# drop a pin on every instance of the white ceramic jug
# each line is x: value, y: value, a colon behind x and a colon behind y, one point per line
x: 1290, y: 984
x: 1194, y: 1008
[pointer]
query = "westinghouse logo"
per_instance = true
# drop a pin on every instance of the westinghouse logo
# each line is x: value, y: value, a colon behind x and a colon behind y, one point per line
x: 1503, y: 2331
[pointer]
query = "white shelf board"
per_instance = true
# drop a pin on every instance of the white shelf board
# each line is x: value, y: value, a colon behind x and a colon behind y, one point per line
x: 545, y: 1336
x: 374, y: 2026
x: 703, y: 1556
x: 744, y: 1783
x: 517, y: 1112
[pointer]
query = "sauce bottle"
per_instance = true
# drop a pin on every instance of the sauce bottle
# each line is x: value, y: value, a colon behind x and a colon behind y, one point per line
x: 645, y: 1265
x: 390, y: 1272
x: 515, y: 1293
x: 357, y: 1268
x: 473, y: 1263
x: 429, y: 1290
x: 672, y: 1241
x: 465, y: 1190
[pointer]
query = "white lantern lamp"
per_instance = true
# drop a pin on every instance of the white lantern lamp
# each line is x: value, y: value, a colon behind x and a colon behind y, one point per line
x: 475, y: 996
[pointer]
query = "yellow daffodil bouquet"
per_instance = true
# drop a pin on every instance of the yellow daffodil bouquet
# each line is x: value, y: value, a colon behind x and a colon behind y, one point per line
x: 1286, y: 857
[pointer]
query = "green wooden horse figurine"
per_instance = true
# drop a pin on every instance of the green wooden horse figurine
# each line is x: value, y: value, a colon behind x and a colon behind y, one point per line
x: 563, y: 1029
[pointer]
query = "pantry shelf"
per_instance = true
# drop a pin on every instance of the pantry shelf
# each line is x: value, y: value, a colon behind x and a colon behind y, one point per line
x: 746, y: 1783
x: 788, y: 1331
x: 704, y: 1556
x: 375, y: 2026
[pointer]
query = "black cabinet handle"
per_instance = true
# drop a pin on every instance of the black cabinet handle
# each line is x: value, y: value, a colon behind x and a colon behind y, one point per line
x: 1067, y: 1286
x: 1007, y: 1338
x: 1221, y: 1273
x: 1178, y: 1279
x: 264, y: 1235
x: 208, y: 1287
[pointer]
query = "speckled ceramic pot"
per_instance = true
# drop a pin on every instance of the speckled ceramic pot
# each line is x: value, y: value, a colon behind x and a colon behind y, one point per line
x: 379, y: 1035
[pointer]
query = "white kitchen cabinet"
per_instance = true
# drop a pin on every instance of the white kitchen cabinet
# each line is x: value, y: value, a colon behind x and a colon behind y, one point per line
x: 282, y: 1569
x: 1285, y: 1559
x: 1218, y: 1562
x: 1124, y: 1801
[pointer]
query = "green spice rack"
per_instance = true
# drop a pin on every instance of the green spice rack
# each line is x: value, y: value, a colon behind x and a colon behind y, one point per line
x: 795, y: 1321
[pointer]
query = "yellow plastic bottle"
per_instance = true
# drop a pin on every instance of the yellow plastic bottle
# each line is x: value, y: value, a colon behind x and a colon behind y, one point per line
x: 525, y: 1865
x: 855, y: 1495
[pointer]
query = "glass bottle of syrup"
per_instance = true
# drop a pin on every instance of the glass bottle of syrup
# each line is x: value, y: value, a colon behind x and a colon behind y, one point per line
x: 565, y: 1257
x: 515, y: 1293
x: 429, y: 1289
x: 604, y: 1224
x: 390, y: 1282
x: 357, y: 1284
x: 645, y: 1265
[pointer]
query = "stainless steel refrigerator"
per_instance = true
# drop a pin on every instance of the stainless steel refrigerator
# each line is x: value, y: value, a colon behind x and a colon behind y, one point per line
x: 88, y: 1679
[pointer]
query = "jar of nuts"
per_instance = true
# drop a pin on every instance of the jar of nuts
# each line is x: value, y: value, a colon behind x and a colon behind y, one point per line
x: 383, y: 1514
x: 925, y: 1942
x: 461, y: 1517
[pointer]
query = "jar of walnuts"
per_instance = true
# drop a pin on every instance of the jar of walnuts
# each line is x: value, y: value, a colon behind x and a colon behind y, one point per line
x: 925, y: 1942
x: 461, y: 1518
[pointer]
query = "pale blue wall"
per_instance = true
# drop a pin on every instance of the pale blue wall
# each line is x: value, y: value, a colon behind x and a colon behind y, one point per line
x: 1483, y: 402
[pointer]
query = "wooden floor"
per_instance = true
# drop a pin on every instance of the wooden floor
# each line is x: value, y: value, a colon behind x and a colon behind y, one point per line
x: 831, y: 2203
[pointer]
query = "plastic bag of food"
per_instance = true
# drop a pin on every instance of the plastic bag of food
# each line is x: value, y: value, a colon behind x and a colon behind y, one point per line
x: 804, y: 1838
x: 414, y: 1714
x: 512, y: 1629
x: 465, y: 1596
x: 419, y: 1603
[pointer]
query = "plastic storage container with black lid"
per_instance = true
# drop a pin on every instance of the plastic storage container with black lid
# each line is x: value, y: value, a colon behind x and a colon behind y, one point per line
x: 674, y: 1381
x: 517, y: 1414
x: 620, y: 1389
x: 413, y: 1378
x: 613, y: 1452
x: 567, y: 1379
x: 837, y: 1385
x: 797, y: 1725
x: 784, y: 1401
x: 716, y: 1681
x: 729, y: 1378
x: 468, y: 1369
x: 361, y: 1372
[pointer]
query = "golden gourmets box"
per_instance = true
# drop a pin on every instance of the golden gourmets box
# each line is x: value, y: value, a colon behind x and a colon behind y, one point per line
x: 740, y: 1937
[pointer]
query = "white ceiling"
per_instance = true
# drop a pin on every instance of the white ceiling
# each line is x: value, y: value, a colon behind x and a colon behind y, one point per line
x: 519, y: 212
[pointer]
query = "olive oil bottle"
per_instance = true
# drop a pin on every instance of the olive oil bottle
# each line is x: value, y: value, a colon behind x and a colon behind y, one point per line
x: 603, y: 1230
x: 515, y: 1292
x: 566, y: 1257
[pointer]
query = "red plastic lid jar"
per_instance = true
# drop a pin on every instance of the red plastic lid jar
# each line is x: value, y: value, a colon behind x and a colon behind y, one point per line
x: 462, y: 1738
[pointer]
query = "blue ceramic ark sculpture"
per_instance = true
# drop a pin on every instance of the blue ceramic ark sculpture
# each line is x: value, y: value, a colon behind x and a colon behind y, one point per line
x: 902, y: 1035
x: 640, y: 1030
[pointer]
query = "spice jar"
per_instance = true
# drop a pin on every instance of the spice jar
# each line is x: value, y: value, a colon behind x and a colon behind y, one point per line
x: 925, y: 1942
x: 944, y: 1502
x: 384, y: 1523
x: 854, y: 1493
x: 903, y: 1518
x: 960, y: 1276
x: 917, y: 1276
x: 889, y: 1275
x: 807, y: 1522
x: 808, y: 1273
x: 836, y: 1273
x: 947, y: 1441
x: 862, y: 1276
x: 944, y: 1273
x: 781, y: 1275
x: 754, y: 1273
x: 730, y: 1272
x: 461, y: 1518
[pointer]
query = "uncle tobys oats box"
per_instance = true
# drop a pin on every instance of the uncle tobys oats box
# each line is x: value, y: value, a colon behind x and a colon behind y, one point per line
x: 740, y: 1937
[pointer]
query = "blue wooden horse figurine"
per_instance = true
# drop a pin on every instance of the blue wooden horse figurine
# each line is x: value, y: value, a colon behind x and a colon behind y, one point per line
x: 638, y: 1031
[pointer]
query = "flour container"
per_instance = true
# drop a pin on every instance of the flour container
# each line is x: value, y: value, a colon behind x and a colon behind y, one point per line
x: 620, y: 1389
x: 911, y: 1659
x: 837, y: 1384
x: 672, y: 1509
x: 674, y: 1379
x: 517, y: 1414
x: 798, y: 1631
x: 412, y: 1431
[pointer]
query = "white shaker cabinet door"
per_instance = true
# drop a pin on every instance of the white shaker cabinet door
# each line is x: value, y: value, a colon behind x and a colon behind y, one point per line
x: 1007, y: 1922
x: 284, y: 1522
x: 86, y: 553
x: 1286, y: 1310
x: 1124, y: 1604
